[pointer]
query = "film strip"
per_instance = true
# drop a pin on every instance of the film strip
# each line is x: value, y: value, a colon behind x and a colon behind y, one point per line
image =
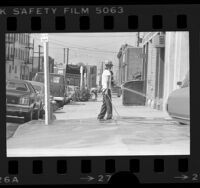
x: 100, y: 169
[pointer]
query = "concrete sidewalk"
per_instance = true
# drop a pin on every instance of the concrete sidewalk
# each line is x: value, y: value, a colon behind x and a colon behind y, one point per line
x: 138, y: 131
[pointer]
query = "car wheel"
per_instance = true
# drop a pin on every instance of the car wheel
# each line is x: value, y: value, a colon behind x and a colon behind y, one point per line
x: 28, y: 116
x: 41, y: 113
x: 36, y: 114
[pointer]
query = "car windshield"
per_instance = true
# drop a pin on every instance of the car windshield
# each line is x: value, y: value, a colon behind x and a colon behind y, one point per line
x: 53, y: 79
x: 38, y: 88
x: 16, y: 86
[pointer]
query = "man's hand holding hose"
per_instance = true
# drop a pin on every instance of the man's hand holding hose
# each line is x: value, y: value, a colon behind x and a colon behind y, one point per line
x: 106, y: 91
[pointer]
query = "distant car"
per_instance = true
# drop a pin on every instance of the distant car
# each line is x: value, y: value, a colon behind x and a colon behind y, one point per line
x: 39, y: 87
x: 21, y: 100
x: 178, y: 103
x: 84, y: 95
x: 71, y: 92
x: 94, y: 93
x: 57, y: 87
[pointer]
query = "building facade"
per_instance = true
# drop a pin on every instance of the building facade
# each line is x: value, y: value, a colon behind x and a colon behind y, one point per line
x: 51, y: 64
x: 176, y: 61
x: 18, y: 50
x: 165, y: 62
x: 153, y: 67
x: 130, y: 63
x: 38, y: 65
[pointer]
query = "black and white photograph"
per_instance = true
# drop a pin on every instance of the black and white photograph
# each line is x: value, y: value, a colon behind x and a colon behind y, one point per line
x: 97, y: 94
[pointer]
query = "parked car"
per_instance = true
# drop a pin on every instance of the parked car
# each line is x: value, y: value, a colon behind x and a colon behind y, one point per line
x: 84, y: 95
x: 178, y: 103
x: 70, y: 92
x: 21, y: 100
x: 39, y: 87
x: 94, y: 93
x: 57, y: 87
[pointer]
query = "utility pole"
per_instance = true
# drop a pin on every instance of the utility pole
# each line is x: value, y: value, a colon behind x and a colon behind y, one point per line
x: 29, y: 47
x: 138, y: 38
x: 39, y: 57
x: 32, y: 60
x: 67, y: 56
x: 81, y: 81
x: 48, y: 111
x: 39, y: 46
x: 64, y: 56
x: 14, y: 51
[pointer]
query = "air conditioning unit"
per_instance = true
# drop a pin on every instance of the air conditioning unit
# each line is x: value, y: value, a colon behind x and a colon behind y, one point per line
x: 159, y: 41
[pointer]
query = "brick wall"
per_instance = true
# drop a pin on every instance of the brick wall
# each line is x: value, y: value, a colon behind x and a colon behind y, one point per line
x: 134, y: 62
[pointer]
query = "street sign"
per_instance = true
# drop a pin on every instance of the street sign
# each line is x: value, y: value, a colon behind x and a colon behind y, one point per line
x: 44, y: 38
x: 81, y: 69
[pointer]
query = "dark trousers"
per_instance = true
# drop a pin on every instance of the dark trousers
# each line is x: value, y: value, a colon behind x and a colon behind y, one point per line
x: 106, y: 106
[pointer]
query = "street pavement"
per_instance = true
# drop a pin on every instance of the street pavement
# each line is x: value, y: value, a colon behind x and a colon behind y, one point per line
x: 12, y: 123
x: 134, y: 130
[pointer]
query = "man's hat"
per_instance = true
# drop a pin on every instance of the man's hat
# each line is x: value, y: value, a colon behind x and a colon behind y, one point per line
x: 108, y: 63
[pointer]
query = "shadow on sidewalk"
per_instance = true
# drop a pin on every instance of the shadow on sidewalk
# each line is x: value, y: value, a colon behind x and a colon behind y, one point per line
x: 59, y: 112
x: 145, y: 120
x: 75, y: 103
x: 14, y: 120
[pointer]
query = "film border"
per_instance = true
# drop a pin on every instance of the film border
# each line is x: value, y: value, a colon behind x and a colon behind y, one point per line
x: 167, y: 18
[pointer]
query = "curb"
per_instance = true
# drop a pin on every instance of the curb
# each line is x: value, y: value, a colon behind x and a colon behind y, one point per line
x: 30, y: 122
x: 21, y: 126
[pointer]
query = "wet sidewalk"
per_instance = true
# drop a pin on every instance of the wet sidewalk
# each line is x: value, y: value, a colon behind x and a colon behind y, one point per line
x: 138, y: 130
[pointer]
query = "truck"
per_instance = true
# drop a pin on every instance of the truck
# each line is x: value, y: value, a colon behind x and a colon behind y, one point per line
x: 57, y: 87
x: 72, y: 75
x: 73, y: 78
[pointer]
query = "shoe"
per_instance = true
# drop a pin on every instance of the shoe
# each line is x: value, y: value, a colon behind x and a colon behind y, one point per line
x: 108, y: 118
x: 101, y: 119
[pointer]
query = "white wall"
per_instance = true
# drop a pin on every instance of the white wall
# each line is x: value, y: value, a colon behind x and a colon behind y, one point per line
x: 176, y: 61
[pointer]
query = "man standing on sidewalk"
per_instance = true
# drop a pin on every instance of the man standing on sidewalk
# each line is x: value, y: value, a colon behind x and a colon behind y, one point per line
x: 106, y: 91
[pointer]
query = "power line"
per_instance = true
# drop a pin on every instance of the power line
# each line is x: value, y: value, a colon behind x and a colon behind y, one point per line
x: 85, y: 47
x: 94, y: 52
x: 81, y: 48
x: 80, y: 53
